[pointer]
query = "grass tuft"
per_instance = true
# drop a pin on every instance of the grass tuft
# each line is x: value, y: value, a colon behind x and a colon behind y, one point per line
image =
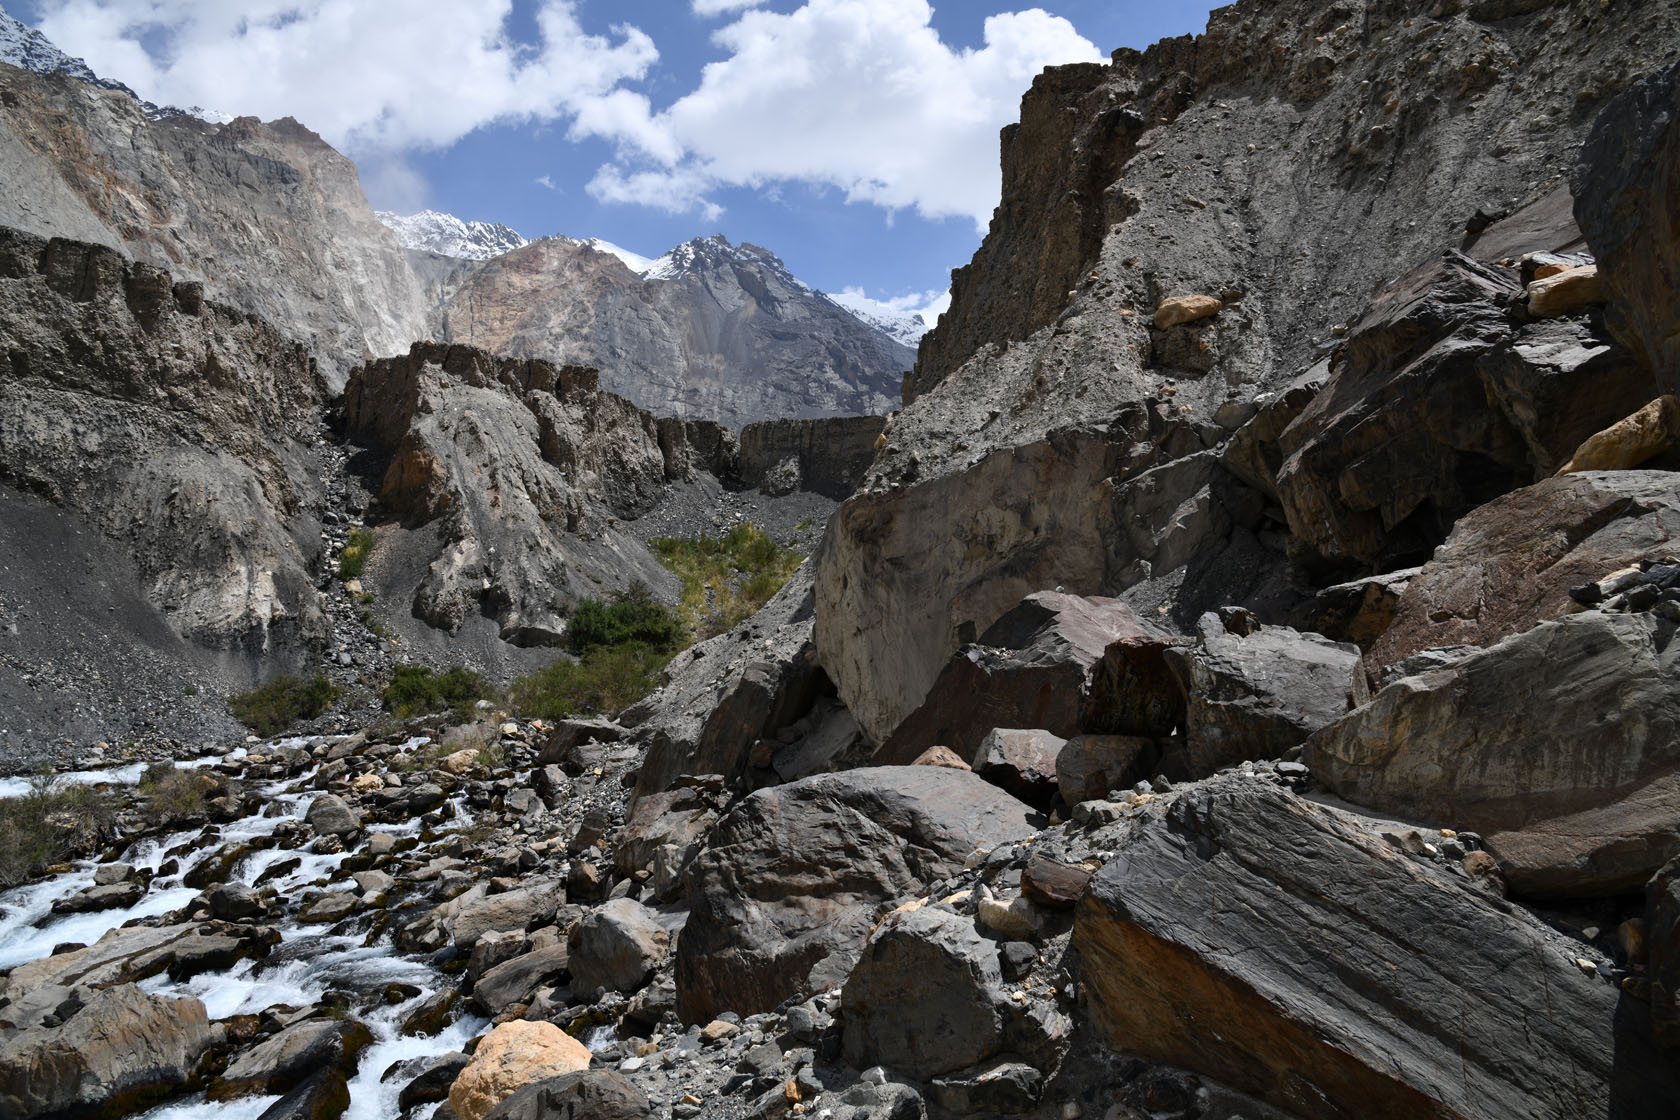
x: 416, y: 690
x: 283, y: 701
x: 353, y: 560
x: 725, y: 579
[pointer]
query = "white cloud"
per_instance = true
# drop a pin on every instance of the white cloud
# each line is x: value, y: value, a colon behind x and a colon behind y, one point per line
x: 369, y: 77
x: 546, y: 181
x: 861, y: 95
x: 718, y: 7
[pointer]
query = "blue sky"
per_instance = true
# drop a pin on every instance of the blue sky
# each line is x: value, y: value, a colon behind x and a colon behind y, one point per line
x: 855, y: 138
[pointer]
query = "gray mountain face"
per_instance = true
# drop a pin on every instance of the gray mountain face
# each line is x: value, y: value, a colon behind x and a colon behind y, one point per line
x: 713, y: 330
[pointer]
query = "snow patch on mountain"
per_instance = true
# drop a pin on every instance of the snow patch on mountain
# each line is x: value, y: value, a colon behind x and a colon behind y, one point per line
x: 705, y: 253
x: 636, y: 262
x: 449, y: 236
x: 905, y: 319
x: 28, y: 49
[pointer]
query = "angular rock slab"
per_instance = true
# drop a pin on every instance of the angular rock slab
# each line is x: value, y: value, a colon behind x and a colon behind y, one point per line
x: 1274, y: 944
x: 599, y: 1094
x: 123, y: 1049
x: 1064, y: 663
x: 1255, y: 695
x: 793, y: 878
x: 615, y: 947
x: 1561, y: 745
x: 1511, y: 563
x: 1626, y: 179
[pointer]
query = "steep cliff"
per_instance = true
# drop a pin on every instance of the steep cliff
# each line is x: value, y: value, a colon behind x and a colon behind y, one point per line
x: 1070, y: 420
x: 268, y: 216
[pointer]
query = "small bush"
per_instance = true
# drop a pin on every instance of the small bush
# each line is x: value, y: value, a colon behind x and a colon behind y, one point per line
x: 282, y: 702
x: 49, y: 824
x: 415, y: 690
x: 725, y: 579
x: 353, y: 559
x: 632, y: 617
x: 172, y: 794
x: 604, y: 681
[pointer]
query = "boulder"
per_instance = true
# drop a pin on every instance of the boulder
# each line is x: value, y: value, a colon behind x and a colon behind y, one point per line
x: 561, y: 746
x: 283, y: 1061
x: 1088, y: 766
x: 513, y: 980
x: 431, y: 1084
x: 941, y: 756
x: 328, y: 815
x: 1022, y: 761
x: 792, y: 879
x: 509, y: 1058
x: 1511, y: 563
x: 234, y: 901
x: 599, y: 1094
x: 1278, y: 946
x: 664, y: 830
x: 1185, y: 309
x: 475, y: 913
x: 324, y: 1096
x: 122, y: 1050
x: 1568, y: 292
x: 926, y: 997
x: 1560, y: 745
x: 1629, y: 442
x: 727, y: 693
x: 1361, y: 610
x: 1254, y: 691
x: 1051, y: 883
x: 1064, y: 663
x: 616, y: 947
x: 1627, y: 175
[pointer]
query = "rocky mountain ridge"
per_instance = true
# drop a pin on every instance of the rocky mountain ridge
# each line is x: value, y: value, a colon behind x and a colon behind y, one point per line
x: 449, y: 236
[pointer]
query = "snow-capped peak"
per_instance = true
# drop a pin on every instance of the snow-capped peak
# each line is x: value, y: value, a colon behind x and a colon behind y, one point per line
x: 28, y: 49
x: 635, y: 261
x: 903, y: 324
x: 449, y: 236
x: 710, y: 252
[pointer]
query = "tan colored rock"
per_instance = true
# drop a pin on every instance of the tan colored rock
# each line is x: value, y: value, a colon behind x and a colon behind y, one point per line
x: 1646, y: 434
x: 941, y: 756
x: 510, y: 1057
x: 1186, y: 309
x: 1566, y: 292
x: 460, y: 762
x: 366, y: 783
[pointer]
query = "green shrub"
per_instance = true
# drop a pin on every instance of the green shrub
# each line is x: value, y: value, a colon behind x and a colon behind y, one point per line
x: 604, y: 681
x: 353, y: 559
x: 49, y: 824
x: 415, y: 690
x: 172, y: 794
x: 632, y: 617
x: 725, y: 579
x: 283, y: 701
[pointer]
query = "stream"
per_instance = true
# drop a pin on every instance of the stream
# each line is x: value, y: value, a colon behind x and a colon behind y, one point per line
x: 308, y: 963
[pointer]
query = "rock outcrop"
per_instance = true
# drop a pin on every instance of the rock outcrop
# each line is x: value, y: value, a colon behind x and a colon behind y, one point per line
x: 181, y: 428
x: 1279, y: 947
x: 520, y: 469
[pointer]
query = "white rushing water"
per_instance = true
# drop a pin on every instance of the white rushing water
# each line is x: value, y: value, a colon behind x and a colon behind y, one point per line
x: 308, y: 963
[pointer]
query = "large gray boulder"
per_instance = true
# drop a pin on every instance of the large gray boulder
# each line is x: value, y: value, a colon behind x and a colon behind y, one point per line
x: 285, y: 1060
x: 616, y: 947
x: 1560, y: 745
x: 599, y: 1094
x: 1064, y: 663
x: 1254, y: 691
x: 470, y: 916
x: 122, y: 1050
x: 926, y: 997
x: 1626, y: 179
x: 329, y: 815
x: 795, y: 875
x: 1279, y: 946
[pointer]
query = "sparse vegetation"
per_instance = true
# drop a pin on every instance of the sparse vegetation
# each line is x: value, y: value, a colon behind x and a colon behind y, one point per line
x: 51, y: 823
x: 725, y: 579
x: 416, y: 690
x: 353, y: 559
x: 604, y: 680
x: 282, y: 702
x: 631, y: 617
x: 172, y: 794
